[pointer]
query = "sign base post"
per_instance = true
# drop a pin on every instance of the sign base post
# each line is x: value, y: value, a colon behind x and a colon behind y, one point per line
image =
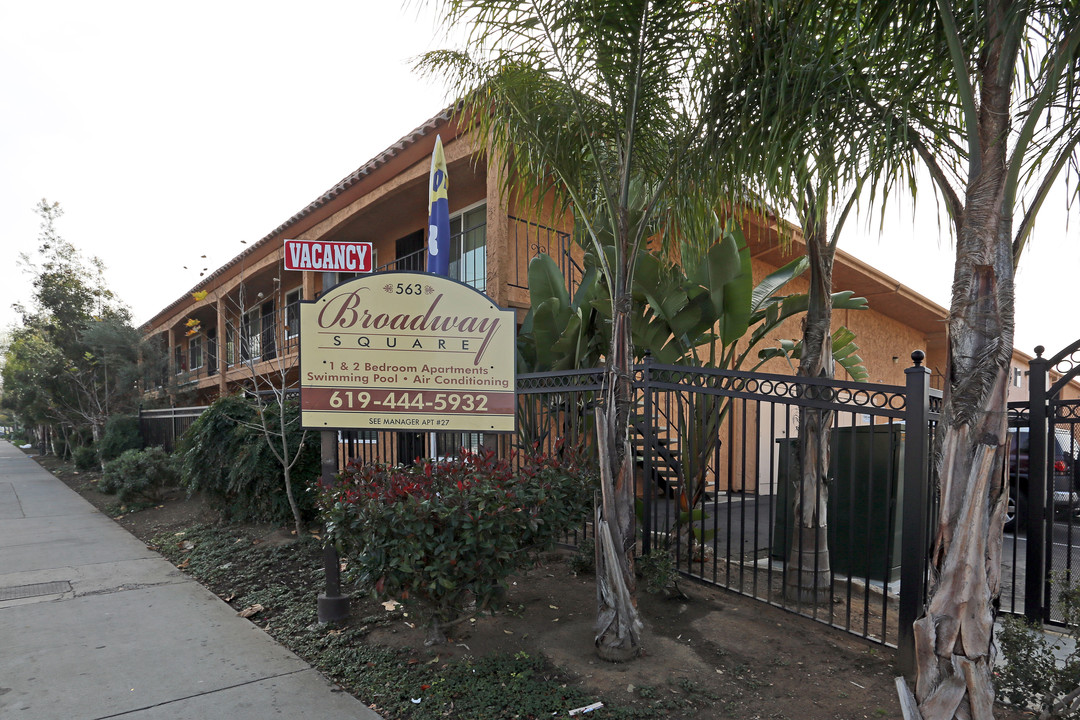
x: 332, y: 605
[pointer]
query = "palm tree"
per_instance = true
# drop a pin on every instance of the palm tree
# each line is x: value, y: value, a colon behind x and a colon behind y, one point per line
x: 786, y: 120
x: 1011, y: 69
x: 985, y: 95
x: 593, y: 103
x: 994, y: 118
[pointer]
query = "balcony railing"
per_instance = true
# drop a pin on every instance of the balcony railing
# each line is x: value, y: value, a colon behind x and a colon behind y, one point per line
x: 531, y: 239
x: 414, y: 261
x: 470, y: 266
x: 265, y: 336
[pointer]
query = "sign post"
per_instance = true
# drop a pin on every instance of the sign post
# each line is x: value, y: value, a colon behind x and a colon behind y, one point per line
x: 331, y: 605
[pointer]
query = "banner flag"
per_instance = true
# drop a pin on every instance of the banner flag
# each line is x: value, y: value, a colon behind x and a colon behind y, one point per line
x: 438, y: 256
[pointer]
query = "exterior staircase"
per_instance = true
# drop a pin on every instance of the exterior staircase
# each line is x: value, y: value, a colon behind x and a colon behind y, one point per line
x: 666, y: 469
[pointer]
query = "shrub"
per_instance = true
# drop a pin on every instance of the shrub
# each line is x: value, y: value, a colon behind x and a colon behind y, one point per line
x: 121, y: 433
x: 448, y: 533
x: 583, y: 562
x: 225, y: 457
x: 140, y: 475
x: 1032, y: 675
x: 85, y: 458
x: 658, y: 570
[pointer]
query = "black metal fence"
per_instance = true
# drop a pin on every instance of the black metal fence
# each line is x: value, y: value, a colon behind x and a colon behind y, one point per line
x: 1041, y: 547
x: 716, y: 458
x: 531, y: 239
x: 163, y: 427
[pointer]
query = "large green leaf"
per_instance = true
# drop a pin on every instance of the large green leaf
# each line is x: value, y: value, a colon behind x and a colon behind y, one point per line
x: 766, y: 290
x: 733, y: 257
x: 546, y: 282
x: 844, y: 352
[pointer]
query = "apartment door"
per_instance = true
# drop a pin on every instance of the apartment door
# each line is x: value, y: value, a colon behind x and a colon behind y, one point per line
x: 409, y: 252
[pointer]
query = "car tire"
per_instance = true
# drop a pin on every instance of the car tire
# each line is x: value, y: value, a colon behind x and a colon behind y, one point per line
x: 1016, y: 512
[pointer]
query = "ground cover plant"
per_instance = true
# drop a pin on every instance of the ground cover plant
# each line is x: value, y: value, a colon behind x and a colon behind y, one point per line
x: 1038, y: 673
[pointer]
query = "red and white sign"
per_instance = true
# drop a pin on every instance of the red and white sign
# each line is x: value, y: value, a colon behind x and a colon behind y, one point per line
x: 328, y: 256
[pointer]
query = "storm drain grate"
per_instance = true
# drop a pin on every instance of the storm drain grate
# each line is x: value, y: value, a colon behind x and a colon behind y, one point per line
x: 18, y: 592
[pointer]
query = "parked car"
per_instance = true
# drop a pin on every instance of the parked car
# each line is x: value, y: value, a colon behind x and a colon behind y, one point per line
x: 1063, y: 457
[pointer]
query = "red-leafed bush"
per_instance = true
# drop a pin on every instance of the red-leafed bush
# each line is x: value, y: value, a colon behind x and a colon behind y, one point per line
x: 449, y: 533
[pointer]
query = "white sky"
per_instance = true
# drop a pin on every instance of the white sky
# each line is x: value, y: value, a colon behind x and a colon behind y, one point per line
x: 172, y: 131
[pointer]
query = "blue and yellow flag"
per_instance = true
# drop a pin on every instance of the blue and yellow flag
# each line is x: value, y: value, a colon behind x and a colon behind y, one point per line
x: 438, y: 258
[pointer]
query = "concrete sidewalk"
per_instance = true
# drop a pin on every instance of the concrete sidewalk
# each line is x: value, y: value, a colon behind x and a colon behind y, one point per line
x: 94, y: 625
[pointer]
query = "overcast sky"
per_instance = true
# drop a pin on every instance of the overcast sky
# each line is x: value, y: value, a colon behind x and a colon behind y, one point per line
x: 172, y: 131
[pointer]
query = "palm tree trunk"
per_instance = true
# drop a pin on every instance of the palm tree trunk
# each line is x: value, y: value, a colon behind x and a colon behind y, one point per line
x: 618, y: 626
x: 954, y: 652
x: 809, y: 577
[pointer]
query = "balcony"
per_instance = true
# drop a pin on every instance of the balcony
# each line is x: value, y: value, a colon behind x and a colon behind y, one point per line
x: 261, y: 318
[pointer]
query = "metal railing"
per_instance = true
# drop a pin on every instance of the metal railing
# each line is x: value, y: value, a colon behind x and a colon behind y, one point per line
x: 531, y: 239
x: 1041, y: 546
x: 469, y: 268
x: 163, y: 427
x: 716, y: 459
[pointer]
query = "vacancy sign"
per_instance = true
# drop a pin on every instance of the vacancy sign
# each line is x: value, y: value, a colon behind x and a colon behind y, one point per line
x: 407, y: 351
x: 352, y: 257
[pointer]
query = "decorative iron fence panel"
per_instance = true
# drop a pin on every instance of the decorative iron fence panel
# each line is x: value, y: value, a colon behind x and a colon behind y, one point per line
x: 731, y: 438
x: 1041, y: 546
x: 1063, y: 539
x: 716, y: 459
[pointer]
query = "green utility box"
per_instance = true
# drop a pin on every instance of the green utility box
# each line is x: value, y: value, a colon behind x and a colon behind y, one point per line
x: 864, y: 519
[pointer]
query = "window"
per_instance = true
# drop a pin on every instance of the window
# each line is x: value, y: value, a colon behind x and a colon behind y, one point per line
x: 450, y: 445
x: 211, y: 352
x: 250, y: 336
x: 1017, y: 377
x: 269, y: 332
x: 178, y: 359
x: 292, y: 313
x: 195, y: 352
x: 230, y: 345
x: 468, y: 247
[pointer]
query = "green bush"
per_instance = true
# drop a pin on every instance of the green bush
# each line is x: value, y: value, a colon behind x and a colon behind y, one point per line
x: 583, y: 561
x: 658, y: 570
x: 121, y: 434
x: 140, y: 475
x: 1033, y: 676
x: 85, y: 458
x: 225, y: 457
x: 448, y: 533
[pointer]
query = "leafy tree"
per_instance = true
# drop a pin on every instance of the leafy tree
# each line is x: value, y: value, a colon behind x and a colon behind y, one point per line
x: 593, y: 104
x: 706, y: 313
x: 32, y: 366
x: 68, y: 289
x: 272, y: 383
x: 224, y: 456
x: 74, y: 360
